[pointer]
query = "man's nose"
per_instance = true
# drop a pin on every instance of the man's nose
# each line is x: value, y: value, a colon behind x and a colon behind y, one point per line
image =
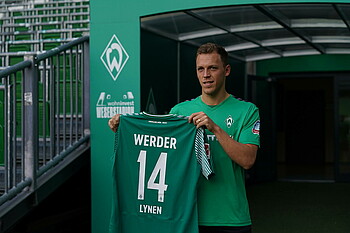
x: 206, y: 73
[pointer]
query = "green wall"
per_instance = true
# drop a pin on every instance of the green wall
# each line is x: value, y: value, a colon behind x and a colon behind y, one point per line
x: 304, y: 64
x: 115, y: 29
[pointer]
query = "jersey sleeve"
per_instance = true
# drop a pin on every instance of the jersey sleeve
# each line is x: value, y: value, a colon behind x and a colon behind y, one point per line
x: 116, y: 140
x: 174, y: 110
x: 179, y: 109
x: 251, y: 129
x: 114, y: 224
x: 202, y: 159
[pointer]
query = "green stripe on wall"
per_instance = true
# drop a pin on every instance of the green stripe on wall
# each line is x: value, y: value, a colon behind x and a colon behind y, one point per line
x: 304, y: 64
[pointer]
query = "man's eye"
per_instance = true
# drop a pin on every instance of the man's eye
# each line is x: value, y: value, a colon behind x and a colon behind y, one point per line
x: 200, y: 69
x: 213, y: 68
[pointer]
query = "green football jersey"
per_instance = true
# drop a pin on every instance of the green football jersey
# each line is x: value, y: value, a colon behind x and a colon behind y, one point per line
x: 157, y: 164
x: 222, y: 200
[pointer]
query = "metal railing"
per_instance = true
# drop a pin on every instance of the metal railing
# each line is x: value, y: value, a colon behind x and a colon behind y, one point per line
x: 36, y: 26
x: 44, y: 116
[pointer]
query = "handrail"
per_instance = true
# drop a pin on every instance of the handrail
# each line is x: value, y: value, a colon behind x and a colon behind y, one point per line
x: 61, y: 48
x: 46, y: 108
x: 15, y: 191
x: 15, y: 68
x: 61, y: 156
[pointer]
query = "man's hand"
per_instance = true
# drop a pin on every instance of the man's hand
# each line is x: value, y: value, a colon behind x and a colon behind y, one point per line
x: 201, y: 119
x: 242, y: 154
x: 113, y: 123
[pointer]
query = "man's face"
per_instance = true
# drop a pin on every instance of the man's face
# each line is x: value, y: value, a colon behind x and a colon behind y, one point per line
x: 211, y: 73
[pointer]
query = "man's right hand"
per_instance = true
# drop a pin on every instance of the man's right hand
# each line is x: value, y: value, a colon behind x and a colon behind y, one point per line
x: 113, y: 123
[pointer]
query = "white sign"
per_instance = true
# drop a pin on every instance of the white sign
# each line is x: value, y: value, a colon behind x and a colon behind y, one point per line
x: 107, y: 106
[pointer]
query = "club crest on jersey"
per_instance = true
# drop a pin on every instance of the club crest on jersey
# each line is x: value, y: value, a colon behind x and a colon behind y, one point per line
x: 256, y: 128
x: 229, y: 121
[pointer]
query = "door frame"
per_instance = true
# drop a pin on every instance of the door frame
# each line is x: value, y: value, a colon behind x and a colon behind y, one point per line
x: 341, y: 80
x: 265, y: 168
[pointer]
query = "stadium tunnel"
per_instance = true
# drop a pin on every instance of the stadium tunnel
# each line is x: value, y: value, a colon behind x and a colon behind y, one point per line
x: 290, y: 58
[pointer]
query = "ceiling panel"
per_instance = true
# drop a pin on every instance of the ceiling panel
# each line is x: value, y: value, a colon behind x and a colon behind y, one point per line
x: 240, y: 15
x: 261, y: 35
x: 304, y: 11
x: 263, y: 31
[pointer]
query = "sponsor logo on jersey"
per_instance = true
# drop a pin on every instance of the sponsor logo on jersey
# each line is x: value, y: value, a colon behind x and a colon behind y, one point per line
x: 114, y: 57
x: 207, y: 150
x: 256, y: 128
x: 229, y: 121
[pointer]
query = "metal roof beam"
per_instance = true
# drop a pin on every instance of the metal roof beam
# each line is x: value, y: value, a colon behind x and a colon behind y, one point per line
x: 196, y: 16
x: 234, y: 56
x: 230, y: 32
x: 341, y: 15
x: 160, y: 32
x: 269, y: 13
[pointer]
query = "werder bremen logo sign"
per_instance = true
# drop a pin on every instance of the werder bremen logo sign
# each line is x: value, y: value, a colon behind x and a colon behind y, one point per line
x: 114, y: 57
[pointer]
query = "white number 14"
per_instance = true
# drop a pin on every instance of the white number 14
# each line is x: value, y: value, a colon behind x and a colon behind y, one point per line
x: 158, y: 170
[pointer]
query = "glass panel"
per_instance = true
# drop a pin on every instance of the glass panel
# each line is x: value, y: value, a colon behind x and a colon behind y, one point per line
x: 278, y: 29
x: 223, y: 40
x: 344, y: 131
x: 305, y: 11
x: 267, y: 34
x: 234, y: 15
x: 176, y: 24
x: 345, y: 11
x: 324, y: 33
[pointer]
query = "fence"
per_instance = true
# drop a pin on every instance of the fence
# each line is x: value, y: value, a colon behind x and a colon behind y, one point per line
x: 38, y: 26
x: 45, y: 111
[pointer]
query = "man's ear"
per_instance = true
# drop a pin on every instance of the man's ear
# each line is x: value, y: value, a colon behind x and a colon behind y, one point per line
x: 227, y: 70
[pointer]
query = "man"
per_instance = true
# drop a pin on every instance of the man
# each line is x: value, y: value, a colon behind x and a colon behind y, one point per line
x: 233, y: 132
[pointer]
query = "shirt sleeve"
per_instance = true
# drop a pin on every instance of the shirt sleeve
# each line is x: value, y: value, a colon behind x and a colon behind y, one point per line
x: 251, y: 129
x: 173, y: 110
